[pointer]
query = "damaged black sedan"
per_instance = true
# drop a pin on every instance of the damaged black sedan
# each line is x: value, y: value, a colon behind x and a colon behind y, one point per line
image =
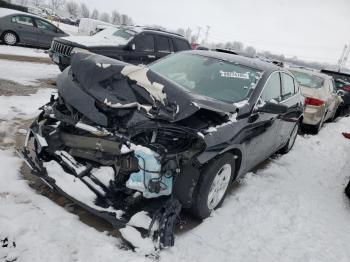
x: 119, y: 139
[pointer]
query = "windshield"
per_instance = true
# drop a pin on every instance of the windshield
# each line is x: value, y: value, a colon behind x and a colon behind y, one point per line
x: 210, y: 77
x: 308, y: 80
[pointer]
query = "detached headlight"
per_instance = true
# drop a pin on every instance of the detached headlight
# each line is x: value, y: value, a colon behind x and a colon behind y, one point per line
x: 79, y: 50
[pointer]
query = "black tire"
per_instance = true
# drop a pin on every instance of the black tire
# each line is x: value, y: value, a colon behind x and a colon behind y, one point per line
x: 315, y: 129
x: 291, y: 140
x: 347, y: 190
x: 200, y: 208
x: 62, y: 67
x: 10, y: 38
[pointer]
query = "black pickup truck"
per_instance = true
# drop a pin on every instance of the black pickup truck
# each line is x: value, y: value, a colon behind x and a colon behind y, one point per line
x: 132, y: 44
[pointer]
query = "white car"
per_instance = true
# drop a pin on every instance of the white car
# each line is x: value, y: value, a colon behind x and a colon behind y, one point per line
x: 321, y: 97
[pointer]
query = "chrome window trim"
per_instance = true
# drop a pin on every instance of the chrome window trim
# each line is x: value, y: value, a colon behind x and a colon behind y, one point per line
x: 278, y: 71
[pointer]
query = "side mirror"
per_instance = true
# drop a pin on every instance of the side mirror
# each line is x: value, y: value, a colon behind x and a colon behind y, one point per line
x: 340, y: 92
x: 273, y: 108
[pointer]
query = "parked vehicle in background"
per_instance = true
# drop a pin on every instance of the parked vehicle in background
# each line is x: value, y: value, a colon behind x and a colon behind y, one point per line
x: 89, y: 26
x: 23, y: 28
x: 135, y: 45
x: 342, y: 82
x: 321, y: 97
x: 170, y: 135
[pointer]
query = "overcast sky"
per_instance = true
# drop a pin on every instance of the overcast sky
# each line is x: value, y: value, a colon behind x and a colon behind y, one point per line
x: 309, y: 29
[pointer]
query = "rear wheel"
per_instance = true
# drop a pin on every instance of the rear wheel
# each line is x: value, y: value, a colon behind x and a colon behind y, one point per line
x: 10, y: 38
x: 317, y: 128
x: 212, y: 185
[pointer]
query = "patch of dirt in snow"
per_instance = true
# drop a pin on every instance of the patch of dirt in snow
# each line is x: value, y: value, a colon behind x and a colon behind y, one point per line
x: 10, y: 88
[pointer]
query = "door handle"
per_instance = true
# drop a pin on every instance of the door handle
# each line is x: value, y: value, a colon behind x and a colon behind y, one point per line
x: 151, y: 56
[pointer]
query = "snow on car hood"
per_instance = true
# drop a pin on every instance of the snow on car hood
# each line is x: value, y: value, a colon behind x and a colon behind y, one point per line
x: 95, y: 40
x: 118, y: 85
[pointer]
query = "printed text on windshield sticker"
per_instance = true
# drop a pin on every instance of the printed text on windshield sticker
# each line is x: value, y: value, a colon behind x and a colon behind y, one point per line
x: 234, y: 74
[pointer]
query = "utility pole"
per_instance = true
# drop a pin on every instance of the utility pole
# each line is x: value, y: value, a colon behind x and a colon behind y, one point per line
x: 344, y: 57
x: 207, y: 34
x: 198, y: 33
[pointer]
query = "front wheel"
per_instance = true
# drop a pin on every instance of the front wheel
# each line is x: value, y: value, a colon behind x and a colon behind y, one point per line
x: 291, y: 140
x: 212, y: 185
x: 10, y: 38
x: 347, y: 190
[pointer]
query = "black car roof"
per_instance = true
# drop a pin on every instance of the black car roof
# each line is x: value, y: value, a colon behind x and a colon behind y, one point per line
x: 243, y: 60
x: 140, y: 29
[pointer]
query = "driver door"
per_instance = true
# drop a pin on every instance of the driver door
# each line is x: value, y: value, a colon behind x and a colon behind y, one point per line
x: 263, y: 127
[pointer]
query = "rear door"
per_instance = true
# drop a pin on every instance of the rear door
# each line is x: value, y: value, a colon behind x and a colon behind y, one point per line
x: 46, y: 32
x: 144, y: 52
x: 180, y: 44
x: 292, y: 99
x: 25, y: 28
x: 333, y: 99
x: 163, y: 46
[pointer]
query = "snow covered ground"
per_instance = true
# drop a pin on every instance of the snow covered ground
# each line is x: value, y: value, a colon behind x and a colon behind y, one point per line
x: 293, y: 209
x: 22, y: 51
x: 26, y: 73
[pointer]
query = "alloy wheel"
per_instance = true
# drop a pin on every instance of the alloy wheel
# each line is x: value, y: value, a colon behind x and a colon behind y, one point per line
x: 10, y: 38
x: 219, y: 186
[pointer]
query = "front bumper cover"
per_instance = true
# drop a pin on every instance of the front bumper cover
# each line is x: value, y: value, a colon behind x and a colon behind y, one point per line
x: 164, y: 211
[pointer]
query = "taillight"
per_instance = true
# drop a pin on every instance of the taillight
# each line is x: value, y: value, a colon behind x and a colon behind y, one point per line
x: 313, y: 101
x: 346, y: 88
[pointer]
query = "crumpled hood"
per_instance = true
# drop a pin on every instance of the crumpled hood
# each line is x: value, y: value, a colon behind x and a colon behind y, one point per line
x: 93, y: 41
x: 120, y: 85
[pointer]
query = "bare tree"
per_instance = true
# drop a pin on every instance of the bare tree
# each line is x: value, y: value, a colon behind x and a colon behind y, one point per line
x: 72, y: 8
x: 181, y: 31
x: 95, y: 14
x: 84, y: 10
x: 105, y: 17
x: 57, y: 4
x: 116, y: 18
x: 38, y: 3
x: 188, y: 34
x: 237, y: 46
x: 23, y: 2
x: 126, y: 20
x: 251, y: 50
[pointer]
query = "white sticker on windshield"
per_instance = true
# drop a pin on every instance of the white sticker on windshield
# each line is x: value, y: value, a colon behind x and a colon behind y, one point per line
x: 234, y: 74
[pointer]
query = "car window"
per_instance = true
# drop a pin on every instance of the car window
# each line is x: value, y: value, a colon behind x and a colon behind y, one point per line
x: 288, y: 89
x: 272, y: 89
x: 44, y: 25
x: 332, y: 86
x: 23, y: 20
x: 163, y: 44
x: 144, y: 43
x: 308, y: 79
x: 211, y: 77
x: 180, y: 44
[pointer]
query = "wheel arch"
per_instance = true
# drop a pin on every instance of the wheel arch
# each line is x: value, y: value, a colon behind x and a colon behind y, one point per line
x: 10, y: 31
x: 237, y: 154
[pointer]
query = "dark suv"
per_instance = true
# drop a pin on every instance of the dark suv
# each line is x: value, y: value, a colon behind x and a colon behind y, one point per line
x: 342, y: 82
x: 135, y: 45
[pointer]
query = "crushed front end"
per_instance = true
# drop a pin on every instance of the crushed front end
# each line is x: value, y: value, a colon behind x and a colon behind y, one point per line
x: 116, y: 171
x: 122, y: 142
